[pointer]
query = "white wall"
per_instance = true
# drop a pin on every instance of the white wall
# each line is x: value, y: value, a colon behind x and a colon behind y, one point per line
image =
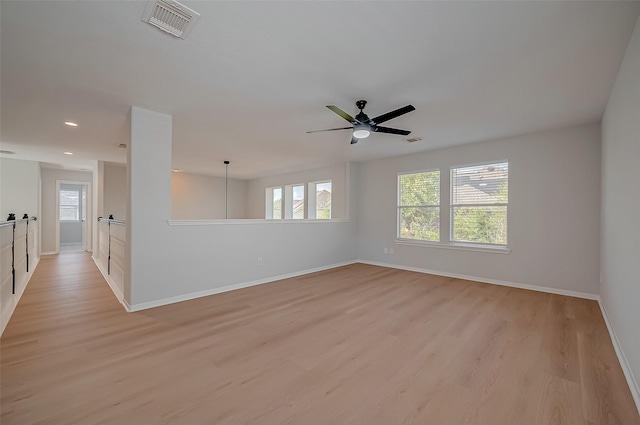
x: 19, y: 187
x: 336, y: 173
x: 114, y: 200
x: 553, y: 215
x: 620, y: 287
x: 48, y: 202
x: 196, y: 196
x: 173, y: 261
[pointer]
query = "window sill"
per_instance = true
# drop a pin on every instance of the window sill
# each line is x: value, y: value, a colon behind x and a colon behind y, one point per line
x: 253, y: 221
x: 456, y: 246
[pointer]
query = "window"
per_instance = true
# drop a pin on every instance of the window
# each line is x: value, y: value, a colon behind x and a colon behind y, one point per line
x: 294, y: 201
x: 479, y: 200
x: 69, y: 205
x: 273, y: 207
x: 419, y: 206
x: 320, y: 200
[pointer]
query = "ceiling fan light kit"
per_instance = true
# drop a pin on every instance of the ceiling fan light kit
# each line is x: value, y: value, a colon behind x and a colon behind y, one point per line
x: 363, y: 126
x: 360, y: 132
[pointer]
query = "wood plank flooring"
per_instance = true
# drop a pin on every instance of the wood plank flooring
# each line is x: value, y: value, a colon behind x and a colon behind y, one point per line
x: 354, y: 345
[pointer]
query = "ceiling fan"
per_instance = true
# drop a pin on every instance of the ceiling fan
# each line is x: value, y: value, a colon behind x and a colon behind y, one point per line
x: 362, y: 125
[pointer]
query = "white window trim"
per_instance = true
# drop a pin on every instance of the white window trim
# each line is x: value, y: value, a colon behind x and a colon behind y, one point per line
x: 473, y: 246
x: 398, y: 206
x: 268, y: 202
x: 288, y: 201
x: 312, y: 188
x: 494, y: 249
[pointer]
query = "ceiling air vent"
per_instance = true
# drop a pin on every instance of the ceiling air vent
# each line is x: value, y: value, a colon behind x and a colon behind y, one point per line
x: 170, y: 16
x: 2, y: 151
x: 414, y: 139
x: 122, y: 145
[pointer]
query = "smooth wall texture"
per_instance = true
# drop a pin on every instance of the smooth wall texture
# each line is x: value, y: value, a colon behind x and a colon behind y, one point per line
x: 114, y: 200
x: 19, y: 187
x: 48, y: 202
x: 553, y: 214
x: 620, y: 287
x: 337, y: 174
x: 196, y: 196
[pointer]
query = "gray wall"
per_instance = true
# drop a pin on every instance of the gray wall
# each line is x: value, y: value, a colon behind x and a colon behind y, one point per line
x: 48, y: 202
x: 620, y: 287
x: 553, y: 215
x: 19, y: 187
x: 196, y: 196
x: 197, y: 259
x: 114, y: 199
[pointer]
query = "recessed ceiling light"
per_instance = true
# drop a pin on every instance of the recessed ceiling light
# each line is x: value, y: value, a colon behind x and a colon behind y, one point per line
x: 68, y: 153
x: 70, y: 124
x: 176, y: 170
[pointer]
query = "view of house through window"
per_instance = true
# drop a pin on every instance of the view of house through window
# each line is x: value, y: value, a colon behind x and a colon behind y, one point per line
x: 322, y: 207
x: 419, y: 206
x: 479, y: 199
x: 290, y: 201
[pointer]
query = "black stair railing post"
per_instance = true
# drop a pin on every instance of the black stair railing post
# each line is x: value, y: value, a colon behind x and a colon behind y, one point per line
x: 27, y: 244
x: 13, y: 259
x: 109, y: 255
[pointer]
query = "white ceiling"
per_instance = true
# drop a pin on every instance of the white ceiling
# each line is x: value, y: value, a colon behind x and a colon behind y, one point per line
x: 253, y: 77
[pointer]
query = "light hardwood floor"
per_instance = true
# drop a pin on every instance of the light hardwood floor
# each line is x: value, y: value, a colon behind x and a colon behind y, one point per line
x: 354, y: 345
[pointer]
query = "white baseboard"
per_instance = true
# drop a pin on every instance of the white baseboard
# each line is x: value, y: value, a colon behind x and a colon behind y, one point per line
x: 626, y: 369
x: 549, y: 290
x: 213, y: 291
x: 49, y: 253
x: 6, y: 315
x: 116, y: 291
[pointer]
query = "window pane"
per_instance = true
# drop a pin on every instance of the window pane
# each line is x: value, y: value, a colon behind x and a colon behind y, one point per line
x: 277, y: 203
x: 414, y: 220
x: 481, y: 184
x: 419, y: 188
x: 69, y: 205
x: 480, y: 224
x: 69, y: 213
x: 323, y: 200
x: 422, y: 223
x: 69, y: 197
x: 298, y: 202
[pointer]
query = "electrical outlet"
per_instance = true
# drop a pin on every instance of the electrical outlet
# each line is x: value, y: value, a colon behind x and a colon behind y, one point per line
x: 259, y: 261
x: 386, y: 250
x: 390, y: 250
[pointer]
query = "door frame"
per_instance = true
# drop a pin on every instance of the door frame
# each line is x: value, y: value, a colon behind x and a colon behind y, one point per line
x: 87, y: 231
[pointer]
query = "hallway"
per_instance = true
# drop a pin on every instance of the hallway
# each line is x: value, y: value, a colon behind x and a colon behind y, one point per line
x: 358, y: 344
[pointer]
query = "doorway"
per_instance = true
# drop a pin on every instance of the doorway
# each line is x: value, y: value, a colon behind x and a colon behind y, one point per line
x: 73, y: 199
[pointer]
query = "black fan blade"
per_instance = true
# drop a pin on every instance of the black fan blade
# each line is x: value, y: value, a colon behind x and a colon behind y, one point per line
x: 393, y: 114
x: 391, y: 130
x: 354, y: 140
x: 329, y: 129
x: 343, y: 114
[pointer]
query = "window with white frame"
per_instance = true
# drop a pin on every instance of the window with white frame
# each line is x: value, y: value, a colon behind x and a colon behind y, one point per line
x: 319, y: 204
x: 479, y: 202
x: 419, y: 206
x: 69, y: 205
x: 294, y: 201
x: 274, y: 201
